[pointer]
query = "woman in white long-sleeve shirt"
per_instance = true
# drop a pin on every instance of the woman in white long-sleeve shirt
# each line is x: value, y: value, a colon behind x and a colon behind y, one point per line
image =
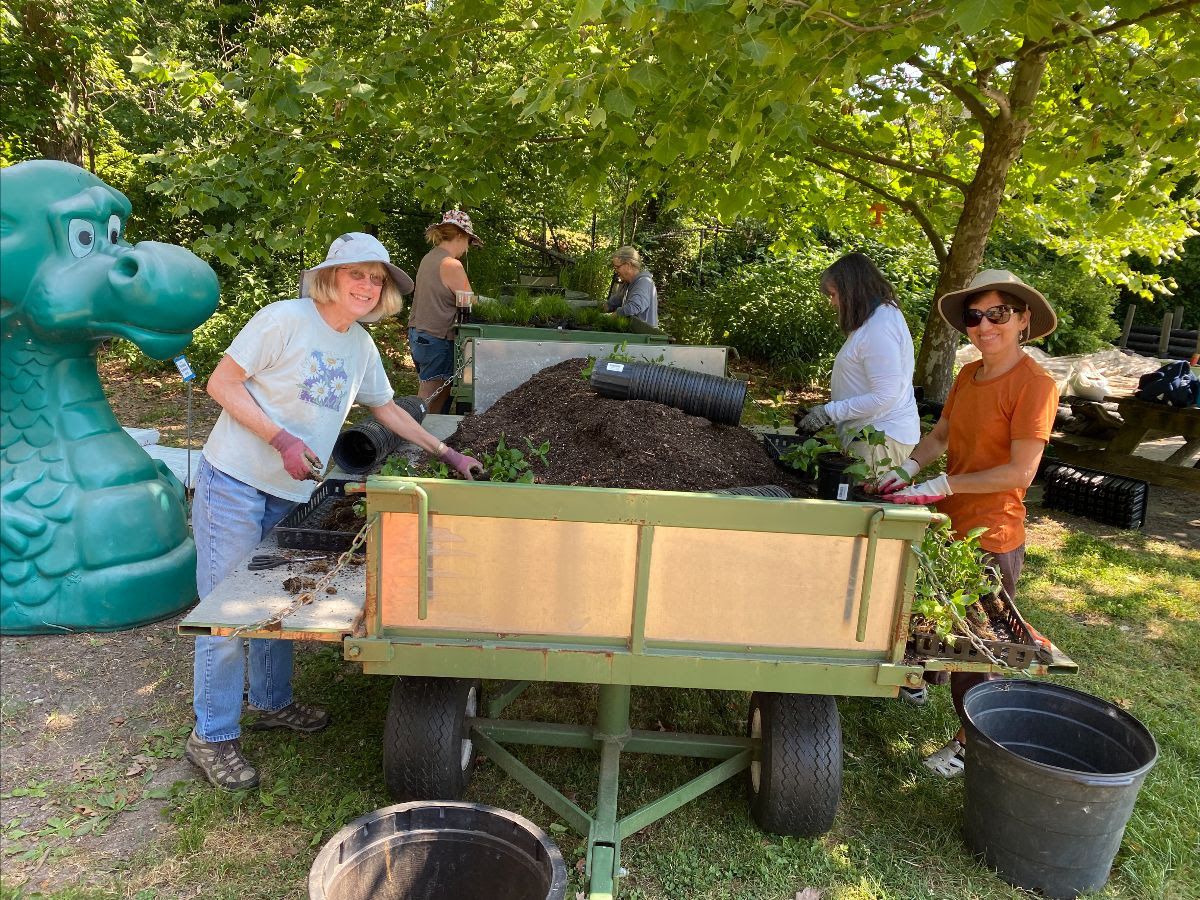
x: 872, y: 376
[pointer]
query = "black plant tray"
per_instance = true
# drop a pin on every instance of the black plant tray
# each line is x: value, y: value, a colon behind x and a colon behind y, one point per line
x: 1110, y: 499
x: 778, y: 444
x: 1019, y: 653
x: 301, y: 528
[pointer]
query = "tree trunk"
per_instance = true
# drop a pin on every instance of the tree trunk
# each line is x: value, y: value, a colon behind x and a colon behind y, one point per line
x: 1003, y: 138
x: 54, y: 140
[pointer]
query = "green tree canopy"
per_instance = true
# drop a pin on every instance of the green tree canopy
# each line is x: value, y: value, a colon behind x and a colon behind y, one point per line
x: 1050, y: 120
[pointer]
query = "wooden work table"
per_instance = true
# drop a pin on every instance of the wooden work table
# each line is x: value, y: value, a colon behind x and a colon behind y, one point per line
x: 245, y: 598
x: 1141, y: 419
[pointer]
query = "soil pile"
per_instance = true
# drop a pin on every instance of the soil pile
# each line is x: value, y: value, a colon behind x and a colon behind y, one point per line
x: 599, y: 442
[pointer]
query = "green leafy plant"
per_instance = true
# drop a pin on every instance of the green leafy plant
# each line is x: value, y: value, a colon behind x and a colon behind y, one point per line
x: 402, y: 467
x: 951, y: 579
x: 862, y: 470
x: 803, y: 456
x: 508, y: 464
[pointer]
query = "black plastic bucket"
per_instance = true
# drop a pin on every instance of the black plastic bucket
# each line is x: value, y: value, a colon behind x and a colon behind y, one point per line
x: 439, y: 851
x: 720, y: 400
x: 832, y: 481
x: 1052, y: 776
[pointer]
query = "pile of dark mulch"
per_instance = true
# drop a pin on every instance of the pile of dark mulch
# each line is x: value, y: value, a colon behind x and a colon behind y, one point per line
x: 598, y: 442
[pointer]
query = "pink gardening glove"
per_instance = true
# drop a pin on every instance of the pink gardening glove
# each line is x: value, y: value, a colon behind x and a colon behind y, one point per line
x: 300, y: 462
x: 463, y: 465
x: 923, y: 494
x: 893, y: 480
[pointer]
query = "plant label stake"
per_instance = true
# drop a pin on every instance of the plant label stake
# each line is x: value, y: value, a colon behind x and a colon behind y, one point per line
x: 188, y: 376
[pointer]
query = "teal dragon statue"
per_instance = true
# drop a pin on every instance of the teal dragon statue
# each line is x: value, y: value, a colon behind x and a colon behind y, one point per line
x: 93, y: 532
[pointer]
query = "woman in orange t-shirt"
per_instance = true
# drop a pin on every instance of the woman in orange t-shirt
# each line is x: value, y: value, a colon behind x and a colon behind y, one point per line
x: 994, y: 426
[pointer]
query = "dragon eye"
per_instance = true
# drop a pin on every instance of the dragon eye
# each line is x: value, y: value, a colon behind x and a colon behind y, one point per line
x: 81, y: 235
x: 114, y: 228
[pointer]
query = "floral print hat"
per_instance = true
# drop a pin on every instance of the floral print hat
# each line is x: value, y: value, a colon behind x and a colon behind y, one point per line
x: 461, y: 220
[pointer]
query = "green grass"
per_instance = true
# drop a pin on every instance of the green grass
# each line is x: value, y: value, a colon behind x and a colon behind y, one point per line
x: 1124, y: 607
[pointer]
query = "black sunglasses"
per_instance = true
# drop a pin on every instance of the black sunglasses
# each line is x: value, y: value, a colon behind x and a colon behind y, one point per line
x: 997, y: 315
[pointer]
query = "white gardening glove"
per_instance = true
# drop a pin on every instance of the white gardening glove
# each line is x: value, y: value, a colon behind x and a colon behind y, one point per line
x: 892, y: 481
x: 923, y: 494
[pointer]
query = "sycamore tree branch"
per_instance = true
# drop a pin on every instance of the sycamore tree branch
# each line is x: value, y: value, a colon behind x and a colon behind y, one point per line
x: 909, y: 206
x: 892, y: 163
x: 865, y: 29
x: 1158, y: 12
x: 974, y: 105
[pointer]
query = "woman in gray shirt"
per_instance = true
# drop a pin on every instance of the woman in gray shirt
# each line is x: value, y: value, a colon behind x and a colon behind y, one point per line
x: 635, y: 295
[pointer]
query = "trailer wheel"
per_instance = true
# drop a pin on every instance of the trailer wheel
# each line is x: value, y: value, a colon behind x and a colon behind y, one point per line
x: 796, y: 782
x: 427, y: 754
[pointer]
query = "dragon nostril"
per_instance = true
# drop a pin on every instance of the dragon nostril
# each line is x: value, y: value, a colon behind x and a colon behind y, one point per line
x: 126, y: 266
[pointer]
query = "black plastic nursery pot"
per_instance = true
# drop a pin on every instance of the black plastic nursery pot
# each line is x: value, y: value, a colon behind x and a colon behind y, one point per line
x: 758, y: 490
x: 1052, y: 776
x: 833, y: 483
x: 439, y: 850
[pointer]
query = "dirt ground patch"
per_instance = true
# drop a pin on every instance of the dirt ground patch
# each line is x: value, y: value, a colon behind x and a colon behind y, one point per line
x: 92, y: 728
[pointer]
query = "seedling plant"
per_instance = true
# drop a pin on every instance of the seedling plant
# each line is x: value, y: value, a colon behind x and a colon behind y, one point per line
x: 951, y: 579
x: 508, y: 464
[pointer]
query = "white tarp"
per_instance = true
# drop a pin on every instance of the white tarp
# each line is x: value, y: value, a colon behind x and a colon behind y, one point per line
x: 1078, y: 375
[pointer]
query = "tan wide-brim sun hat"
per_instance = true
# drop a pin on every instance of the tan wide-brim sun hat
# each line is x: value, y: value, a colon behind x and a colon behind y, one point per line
x: 1042, y: 319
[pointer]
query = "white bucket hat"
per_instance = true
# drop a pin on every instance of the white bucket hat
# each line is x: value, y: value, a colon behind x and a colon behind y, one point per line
x: 357, y: 247
x: 1042, y: 319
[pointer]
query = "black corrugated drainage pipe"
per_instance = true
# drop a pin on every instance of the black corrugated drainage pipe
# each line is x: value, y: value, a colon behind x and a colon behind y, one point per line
x: 720, y: 400
x: 365, y: 447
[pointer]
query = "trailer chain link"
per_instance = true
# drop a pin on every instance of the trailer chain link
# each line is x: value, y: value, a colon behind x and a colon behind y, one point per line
x: 304, y: 598
x: 942, y: 596
x: 449, y: 381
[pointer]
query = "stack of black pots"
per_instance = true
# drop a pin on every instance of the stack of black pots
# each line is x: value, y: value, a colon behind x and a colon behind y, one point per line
x: 364, y: 448
x: 720, y: 400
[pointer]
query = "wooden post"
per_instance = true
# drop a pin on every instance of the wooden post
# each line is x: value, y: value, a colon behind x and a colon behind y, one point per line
x: 1129, y: 311
x: 1177, y: 321
x: 1164, y: 336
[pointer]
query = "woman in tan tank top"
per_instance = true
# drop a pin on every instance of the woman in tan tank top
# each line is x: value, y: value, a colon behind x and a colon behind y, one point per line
x: 431, y: 321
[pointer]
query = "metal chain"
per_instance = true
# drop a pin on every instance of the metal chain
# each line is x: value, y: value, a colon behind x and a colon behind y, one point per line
x: 310, y: 596
x: 974, y: 639
x: 449, y: 381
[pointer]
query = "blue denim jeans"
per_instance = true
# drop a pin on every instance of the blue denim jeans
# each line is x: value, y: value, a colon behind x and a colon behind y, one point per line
x: 229, y: 518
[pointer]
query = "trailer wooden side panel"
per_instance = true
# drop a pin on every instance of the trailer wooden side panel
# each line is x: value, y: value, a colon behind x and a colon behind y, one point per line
x: 770, y: 590
x: 506, y: 576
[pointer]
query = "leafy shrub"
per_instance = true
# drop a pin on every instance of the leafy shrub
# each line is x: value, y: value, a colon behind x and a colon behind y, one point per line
x: 591, y: 274
x: 768, y: 311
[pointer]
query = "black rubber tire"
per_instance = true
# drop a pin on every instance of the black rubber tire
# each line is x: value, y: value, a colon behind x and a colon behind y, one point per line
x: 425, y: 753
x: 799, y: 769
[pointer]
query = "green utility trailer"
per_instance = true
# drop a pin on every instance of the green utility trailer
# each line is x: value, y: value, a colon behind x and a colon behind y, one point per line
x: 463, y: 391
x: 796, y: 601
